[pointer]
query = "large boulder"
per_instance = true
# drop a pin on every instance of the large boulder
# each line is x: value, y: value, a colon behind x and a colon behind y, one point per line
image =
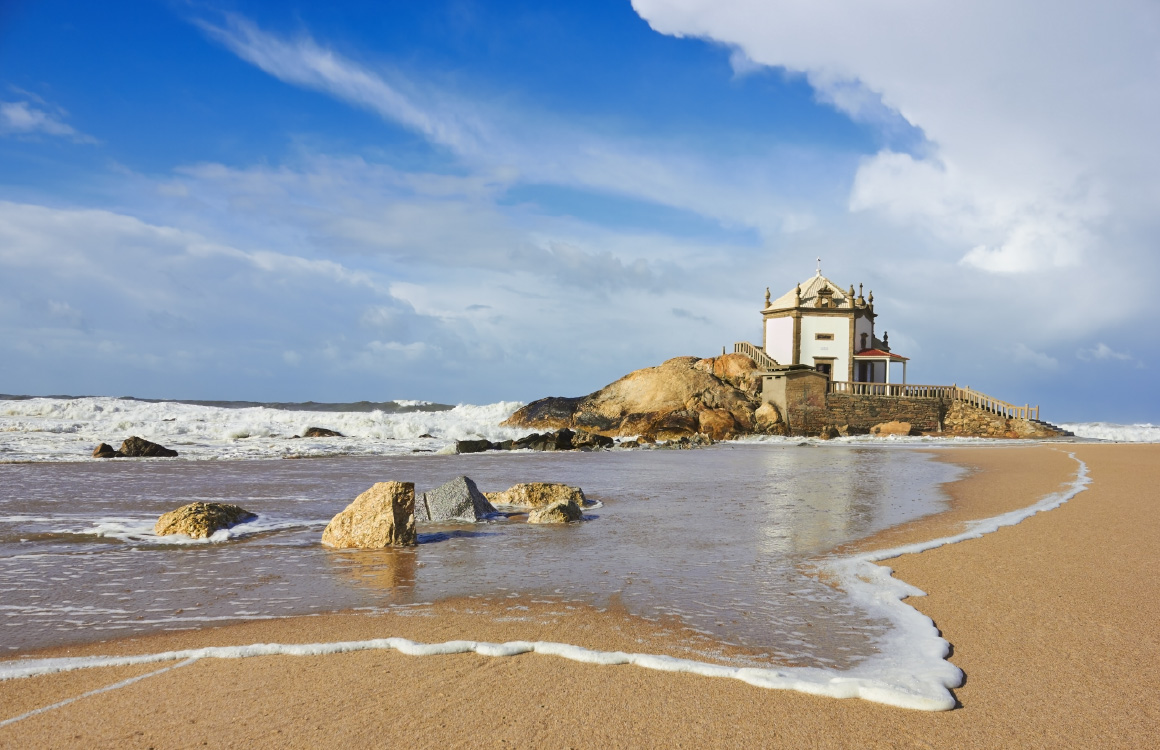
x: 561, y: 511
x: 136, y: 447
x: 662, y: 402
x: 383, y: 516
x: 886, y: 429
x: 457, y: 500
x: 201, y: 520
x: 537, y: 495
x: 738, y: 370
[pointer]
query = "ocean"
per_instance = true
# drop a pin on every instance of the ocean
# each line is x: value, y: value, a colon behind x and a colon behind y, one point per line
x: 736, y: 540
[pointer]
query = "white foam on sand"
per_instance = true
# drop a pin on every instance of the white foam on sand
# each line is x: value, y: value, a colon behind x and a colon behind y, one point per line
x: 910, y: 670
x: 55, y: 429
x: 1124, y: 433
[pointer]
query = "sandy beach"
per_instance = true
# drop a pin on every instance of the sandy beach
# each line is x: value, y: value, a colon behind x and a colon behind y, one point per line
x: 1053, y: 621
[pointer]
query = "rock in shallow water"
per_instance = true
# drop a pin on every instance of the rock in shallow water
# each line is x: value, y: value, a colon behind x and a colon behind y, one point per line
x: 317, y: 432
x: 383, y: 516
x: 201, y: 520
x: 457, y: 500
x: 537, y: 495
x: 136, y: 447
x: 104, y: 450
x: 561, y: 511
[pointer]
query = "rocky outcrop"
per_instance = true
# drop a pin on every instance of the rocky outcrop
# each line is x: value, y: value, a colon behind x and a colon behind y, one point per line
x: 136, y: 447
x: 679, y: 398
x: 886, y: 429
x: 537, y: 495
x: 967, y: 419
x: 104, y: 450
x: 457, y: 500
x: 317, y: 432
x: 383, y: 516
x: 201, y: 520
x: 561, y: 511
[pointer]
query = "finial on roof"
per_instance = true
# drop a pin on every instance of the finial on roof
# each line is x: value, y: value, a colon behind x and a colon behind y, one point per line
x: 797, y: 295
x: 850, y: 296
x: 861, y: 299
x: 871, y: 298
x: 819, y: 266
x: 767, y: 296
x: 885, y: 341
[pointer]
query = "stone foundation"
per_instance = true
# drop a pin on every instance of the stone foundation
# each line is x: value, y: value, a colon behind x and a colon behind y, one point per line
x: 863, y: 412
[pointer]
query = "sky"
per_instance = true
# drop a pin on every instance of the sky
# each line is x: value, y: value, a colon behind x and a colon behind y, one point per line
x: 467, y: 202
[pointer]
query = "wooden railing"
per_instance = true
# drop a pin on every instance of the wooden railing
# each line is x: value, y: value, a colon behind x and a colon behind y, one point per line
x: 995, y: 406
x: 948, y: 392
x: 756, y: 353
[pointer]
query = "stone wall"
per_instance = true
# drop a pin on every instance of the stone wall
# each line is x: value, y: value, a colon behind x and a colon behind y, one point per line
x: 863, y: 412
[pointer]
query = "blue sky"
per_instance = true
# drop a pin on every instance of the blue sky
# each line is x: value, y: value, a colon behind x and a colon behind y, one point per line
x: 467, y: 202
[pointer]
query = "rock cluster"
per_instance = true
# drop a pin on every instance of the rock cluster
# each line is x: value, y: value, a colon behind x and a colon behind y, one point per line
x: 556, y: 440
x: 134, y: 447
x: 201, y: 520
x: 386, y: 515
x: 383, y: 516
x: 682, y: 397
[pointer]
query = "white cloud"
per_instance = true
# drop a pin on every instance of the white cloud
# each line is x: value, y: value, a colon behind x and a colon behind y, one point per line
x: 1041, y: 116
x: 1024, y: 354
x: 25, y: 118
x: 1102, y: 351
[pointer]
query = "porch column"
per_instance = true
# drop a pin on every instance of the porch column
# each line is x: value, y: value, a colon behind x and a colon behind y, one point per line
x: 904, y: 372
x: 887, y: 371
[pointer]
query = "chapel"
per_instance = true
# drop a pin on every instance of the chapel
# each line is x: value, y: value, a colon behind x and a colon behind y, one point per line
x: 821, y: 325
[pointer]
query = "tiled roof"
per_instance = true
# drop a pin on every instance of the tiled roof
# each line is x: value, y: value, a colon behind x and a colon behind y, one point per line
x: 878, y: 353
x: 810, y: 289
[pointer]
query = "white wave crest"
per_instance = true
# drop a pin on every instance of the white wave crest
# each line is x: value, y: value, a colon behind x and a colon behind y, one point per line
x: 1125, y: 433
x: 41, y: 429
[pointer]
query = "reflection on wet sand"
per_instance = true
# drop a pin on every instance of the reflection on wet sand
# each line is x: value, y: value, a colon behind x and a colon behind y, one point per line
x: 389, y: 572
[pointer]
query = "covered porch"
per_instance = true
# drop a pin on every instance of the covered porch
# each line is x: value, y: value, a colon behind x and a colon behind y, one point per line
x: 878, y: 366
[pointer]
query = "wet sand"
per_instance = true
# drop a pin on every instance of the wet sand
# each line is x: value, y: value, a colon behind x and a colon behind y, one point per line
x: 1053, y: 621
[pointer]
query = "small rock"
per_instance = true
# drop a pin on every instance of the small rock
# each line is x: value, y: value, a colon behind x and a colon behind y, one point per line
x: 317, y: 432
x: 890, y: 428
x: 104, y: 450
x: 448, y: 450
x: 457, y: 500
x: 590, y: 441
x: 560, y: 440
x: 472, y: 446
x: 136, y: 447
x: 767, y: 416
x: 200, y: 520
x: 561, y: 511
x: 829, y: 432
x: 426, y: 435
x: 383, y: 516
x: 537, y: 495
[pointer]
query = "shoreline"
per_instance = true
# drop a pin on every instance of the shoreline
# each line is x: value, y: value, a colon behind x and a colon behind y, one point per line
x: 991, y: 465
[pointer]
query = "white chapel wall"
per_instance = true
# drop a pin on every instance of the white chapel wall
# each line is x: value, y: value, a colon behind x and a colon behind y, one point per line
x: 838, y: 347
x: 779, y: 339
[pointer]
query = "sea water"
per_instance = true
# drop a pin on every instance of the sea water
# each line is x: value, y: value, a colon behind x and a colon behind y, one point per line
x: 722, y: 538
x: 729, y: 540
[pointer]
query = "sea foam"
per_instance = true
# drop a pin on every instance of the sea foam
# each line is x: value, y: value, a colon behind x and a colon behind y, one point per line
x: 910, y: 669
x: 1125, y: 433
x: 47, y: 429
